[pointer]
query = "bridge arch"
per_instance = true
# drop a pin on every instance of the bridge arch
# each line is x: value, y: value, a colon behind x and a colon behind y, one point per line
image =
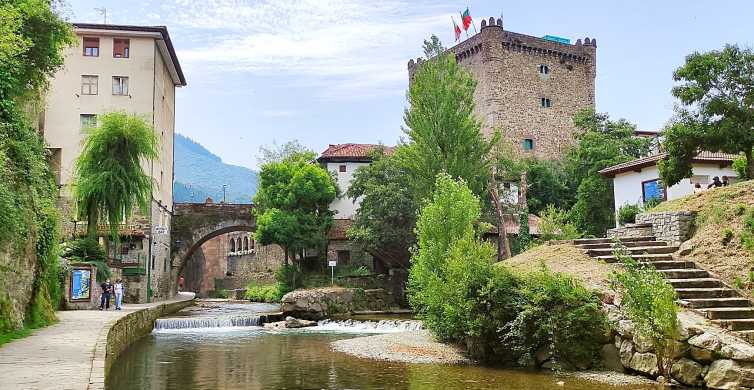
x: 193, y: 224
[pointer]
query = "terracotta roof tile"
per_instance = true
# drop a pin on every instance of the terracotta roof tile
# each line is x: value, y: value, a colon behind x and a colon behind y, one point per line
x: 359, y: 152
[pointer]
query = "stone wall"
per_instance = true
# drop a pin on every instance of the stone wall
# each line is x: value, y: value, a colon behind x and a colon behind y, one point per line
x: 630, y: 231
x: 509, y: 87
x: 673, y: 227
x: 131, y: 327
x: 356, y: 255
x: 16, y: 283
x: 704, y: 354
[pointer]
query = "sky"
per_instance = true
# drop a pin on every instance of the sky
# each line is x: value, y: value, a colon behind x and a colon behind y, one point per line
x: 326, y: 72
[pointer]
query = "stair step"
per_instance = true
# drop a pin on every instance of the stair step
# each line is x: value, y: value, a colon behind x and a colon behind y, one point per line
x: 703, y: 303
x: 684, y: 273
x: 726, y: 313
x: 670, y: 264
x: 694, y: 283
x: 743, y: 324
x: 649, y: 258
x: 639, y: 250
x: 607, y: 245
x: 609, y: 240
x: 705, y: 293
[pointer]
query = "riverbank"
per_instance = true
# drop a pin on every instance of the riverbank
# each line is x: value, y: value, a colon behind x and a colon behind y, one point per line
x: 72, y: 353
x: 420, y: 347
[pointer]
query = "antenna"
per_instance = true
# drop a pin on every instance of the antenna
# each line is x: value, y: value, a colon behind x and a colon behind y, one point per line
x: 102, y: 11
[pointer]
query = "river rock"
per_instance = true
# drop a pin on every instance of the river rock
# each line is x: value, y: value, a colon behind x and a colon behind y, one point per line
x: 626, y: 352
x: 542, y: 354
x: 707, y: 341
x: 687, y: 372
x: 701, y: 354
x: 737, y: 350
x: 645, y: 363
x: 728, y: 374
x: 642, y: 343
x: 293, y: 323
x: 625, y: 328
x: 610, y: 357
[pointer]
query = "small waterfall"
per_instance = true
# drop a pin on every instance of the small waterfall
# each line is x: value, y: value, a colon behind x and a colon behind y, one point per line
x: 382, y: 326
x: 205, y: 322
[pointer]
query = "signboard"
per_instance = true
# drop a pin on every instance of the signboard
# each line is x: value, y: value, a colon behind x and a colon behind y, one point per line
x: 332, y: 263
x: 653, y: 189
x: 81, y: 282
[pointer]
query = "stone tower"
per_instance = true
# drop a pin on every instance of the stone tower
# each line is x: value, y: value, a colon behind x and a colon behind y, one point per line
x: 529, y: 88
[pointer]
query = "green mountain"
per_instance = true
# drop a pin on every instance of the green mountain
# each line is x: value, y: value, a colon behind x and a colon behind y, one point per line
x: 200, y: 174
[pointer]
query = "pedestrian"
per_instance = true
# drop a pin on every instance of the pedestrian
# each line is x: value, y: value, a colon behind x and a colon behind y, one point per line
x: 118, y: 290
x: 107, y: 288
x: 698, y: 188
x: 715, y: 183
x: 725, y: 181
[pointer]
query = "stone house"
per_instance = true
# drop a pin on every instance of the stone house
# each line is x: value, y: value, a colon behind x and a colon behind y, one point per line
x: 119, y: 68
x: 637, y: 181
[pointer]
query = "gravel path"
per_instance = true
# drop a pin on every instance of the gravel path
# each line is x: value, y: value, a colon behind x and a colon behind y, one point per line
x: 409, y: 347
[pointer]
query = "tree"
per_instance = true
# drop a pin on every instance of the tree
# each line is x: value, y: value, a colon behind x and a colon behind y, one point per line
x: 110, y: 179
x: 548, y: 184
x: 384, y: 223
x: 443, y: 134
x: 716, y: 90
x: 601, y: 143
x: 292, y: 205
x: 278, y: 153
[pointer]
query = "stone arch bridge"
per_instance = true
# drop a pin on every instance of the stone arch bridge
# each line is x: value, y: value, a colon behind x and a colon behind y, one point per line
x: 194, y: 224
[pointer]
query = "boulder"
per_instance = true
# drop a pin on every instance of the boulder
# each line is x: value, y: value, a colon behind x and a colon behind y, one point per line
x: 642, y: 343
x: 701, y: 354
x: 626, y: 352
x: 610, y: 357
x: 542, y: 354
x: 293, y: 323
x: 707, y: 341
x: 320, y: 303
x: 723, y: 374
x: 625, y: 328
x: 687, y: 372
x: 645, y: 363
x: 737, y: 350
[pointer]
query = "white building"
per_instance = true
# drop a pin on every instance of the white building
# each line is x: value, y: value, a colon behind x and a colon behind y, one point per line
x: 637, y: 181
x: 119, y: 68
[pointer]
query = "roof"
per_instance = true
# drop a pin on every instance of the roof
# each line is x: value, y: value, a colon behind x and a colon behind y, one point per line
x: 512, y: 225
x: 648, y: 161
x: 162, y: 30
x: 339, y: 229
x: 352, y: 152
x: 646, y: 133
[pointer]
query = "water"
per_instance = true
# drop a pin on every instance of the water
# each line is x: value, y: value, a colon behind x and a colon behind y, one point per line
x: 251, y: 357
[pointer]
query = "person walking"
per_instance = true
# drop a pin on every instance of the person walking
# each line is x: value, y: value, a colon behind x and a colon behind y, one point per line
x: 107, y: 289
x: 118, y: 290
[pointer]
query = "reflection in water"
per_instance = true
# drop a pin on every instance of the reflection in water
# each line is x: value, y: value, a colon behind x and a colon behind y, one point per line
x: 253, y: 358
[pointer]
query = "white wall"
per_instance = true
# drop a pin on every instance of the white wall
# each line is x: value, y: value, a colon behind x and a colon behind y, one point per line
x: 344, y: 206
x: 627, y: 186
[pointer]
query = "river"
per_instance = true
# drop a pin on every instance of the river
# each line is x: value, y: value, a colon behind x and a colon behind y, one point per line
x: 219, y: 356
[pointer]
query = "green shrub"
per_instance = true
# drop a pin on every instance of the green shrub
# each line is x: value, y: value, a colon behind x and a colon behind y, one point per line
x: 727, y: 236
x: 270, y: 293
x: 554, y: 225
x: 627, y: 213
x: 222, y: 294
x: 87, y: 250
x: 352, y: 270
x: 650, y: 204
x: 649, y: 301
x: 289, y: 278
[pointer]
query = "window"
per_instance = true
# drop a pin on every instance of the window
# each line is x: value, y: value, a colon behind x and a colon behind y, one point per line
x: 342, y: 168
x: 232, y: 245
x: 251, y: 243
x: 165, y: 265
x: 652, y: 189
x: 246, y: 243
x: 545, y: 102
x: 89, y: 85
x: 344, y: 257
x: 120, y: 85
x: 528, y: 144
x: 91, y: 47
x: 544, y: 69
x: 88, y: 120
x: 121, y: 48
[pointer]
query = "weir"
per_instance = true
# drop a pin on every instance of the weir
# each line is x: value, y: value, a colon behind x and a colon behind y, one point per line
x: 206, y: 322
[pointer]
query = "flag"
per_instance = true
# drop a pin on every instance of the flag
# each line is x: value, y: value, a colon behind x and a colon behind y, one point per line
x: 466, y: 19
x: 456, y: 30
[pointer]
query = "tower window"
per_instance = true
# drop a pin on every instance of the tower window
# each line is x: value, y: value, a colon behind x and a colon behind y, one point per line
x: 544, y: 69
x: 91, y: 47
x: 545, y: 102
x: 528, y: 144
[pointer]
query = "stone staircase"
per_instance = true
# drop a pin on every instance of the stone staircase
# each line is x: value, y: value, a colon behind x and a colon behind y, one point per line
x: 695, y: 287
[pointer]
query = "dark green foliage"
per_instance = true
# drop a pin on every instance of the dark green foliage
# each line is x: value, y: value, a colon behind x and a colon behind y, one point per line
x: 289, y: 278
x: 716, y: 90
x: 384, y: 223
x: 200, y: 174
x: 292, y: 205
x: 270, y: 293
x: 602, y: 143
x: 110, y: 180
x: 548, y: 184
x: 554, y: 225
x: 627, y: 213
x: 87, y: 250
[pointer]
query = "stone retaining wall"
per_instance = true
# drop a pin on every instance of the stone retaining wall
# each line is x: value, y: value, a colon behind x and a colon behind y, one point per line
x: 630, y: 231
x: 705, y: 355
x: 117, y: 336
x: 673, y: 227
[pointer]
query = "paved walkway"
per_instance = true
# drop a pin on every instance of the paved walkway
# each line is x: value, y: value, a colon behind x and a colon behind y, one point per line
x: 61, y: 356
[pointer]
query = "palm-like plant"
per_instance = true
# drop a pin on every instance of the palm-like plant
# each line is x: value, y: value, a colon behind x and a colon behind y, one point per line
x: 110, y: 178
